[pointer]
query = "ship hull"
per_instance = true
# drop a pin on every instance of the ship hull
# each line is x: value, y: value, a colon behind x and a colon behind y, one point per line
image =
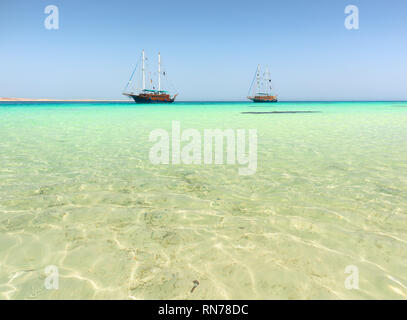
x: 264, y: 99
x: 144, y: 98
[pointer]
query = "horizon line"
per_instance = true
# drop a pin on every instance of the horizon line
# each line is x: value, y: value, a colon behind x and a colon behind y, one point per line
x: 5, y: 100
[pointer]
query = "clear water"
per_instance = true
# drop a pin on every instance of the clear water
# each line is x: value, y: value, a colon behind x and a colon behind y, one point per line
x: 77, y: 190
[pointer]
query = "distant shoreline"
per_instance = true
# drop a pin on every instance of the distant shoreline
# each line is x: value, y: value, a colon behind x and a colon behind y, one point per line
x: 203, y: 101
x: 57, y: 100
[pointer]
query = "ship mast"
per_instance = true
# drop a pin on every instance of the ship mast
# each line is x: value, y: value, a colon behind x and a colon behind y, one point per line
x: 144, y: 75
x: 258, y: 80
x: 159, y: 72
x: 268, y: 80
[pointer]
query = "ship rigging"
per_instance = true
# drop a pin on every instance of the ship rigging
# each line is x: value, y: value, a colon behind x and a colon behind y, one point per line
x: 260, y: 89
x: 148, y: 93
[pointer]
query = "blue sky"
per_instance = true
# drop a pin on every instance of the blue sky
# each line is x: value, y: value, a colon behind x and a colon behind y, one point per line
x: 210, y: 48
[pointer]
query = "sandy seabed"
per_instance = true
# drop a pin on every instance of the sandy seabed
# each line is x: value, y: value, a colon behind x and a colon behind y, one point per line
x: 77, y: 191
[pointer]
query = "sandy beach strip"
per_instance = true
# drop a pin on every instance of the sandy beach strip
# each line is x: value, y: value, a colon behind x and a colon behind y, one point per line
x: 57, y: 100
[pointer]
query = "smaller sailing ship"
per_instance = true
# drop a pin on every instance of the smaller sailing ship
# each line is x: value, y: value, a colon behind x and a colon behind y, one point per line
x: 260, y: 89
x: 149, y: 94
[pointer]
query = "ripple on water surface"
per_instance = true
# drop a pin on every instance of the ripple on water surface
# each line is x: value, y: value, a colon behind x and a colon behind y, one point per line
x: 77, y: 191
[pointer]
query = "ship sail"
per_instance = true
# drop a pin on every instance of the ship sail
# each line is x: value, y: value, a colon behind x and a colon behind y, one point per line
x: 148, y: 93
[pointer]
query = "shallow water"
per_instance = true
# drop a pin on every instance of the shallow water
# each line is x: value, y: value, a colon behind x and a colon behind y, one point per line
x: 77, y: 190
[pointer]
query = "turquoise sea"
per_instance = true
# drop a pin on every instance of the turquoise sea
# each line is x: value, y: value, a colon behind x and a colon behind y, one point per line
x: 78, y: 192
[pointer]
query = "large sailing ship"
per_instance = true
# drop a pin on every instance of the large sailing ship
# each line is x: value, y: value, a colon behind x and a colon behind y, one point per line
x: 149, y: 92
x: 260, y: 90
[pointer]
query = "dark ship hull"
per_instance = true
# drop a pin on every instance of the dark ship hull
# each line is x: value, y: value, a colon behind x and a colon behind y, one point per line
x: 267, y: 99
x: 151, y: 98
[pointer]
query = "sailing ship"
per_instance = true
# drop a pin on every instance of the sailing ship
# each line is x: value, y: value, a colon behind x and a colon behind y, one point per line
x: 148, y: 94
x: 260, y: 90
